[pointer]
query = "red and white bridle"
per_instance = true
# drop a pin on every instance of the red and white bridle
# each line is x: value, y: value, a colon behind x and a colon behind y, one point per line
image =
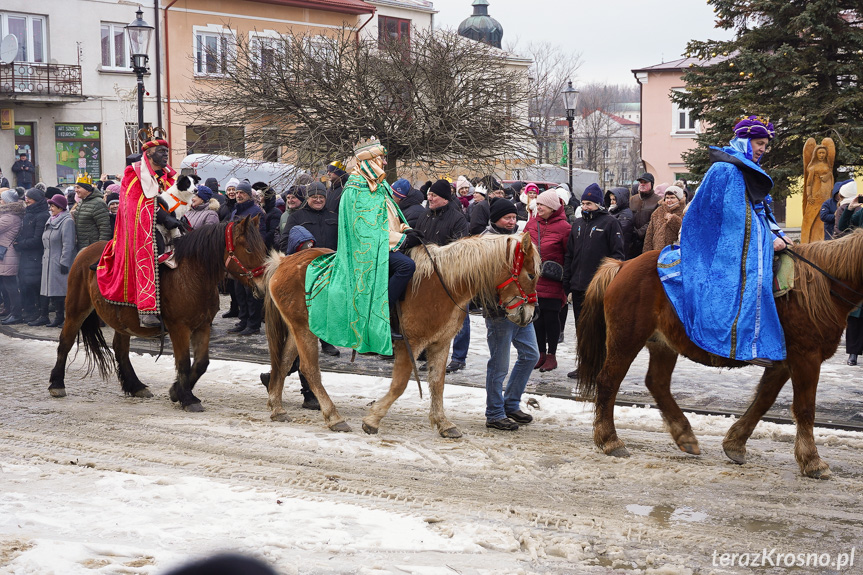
x: 229, y: 244
x: 523, y: 298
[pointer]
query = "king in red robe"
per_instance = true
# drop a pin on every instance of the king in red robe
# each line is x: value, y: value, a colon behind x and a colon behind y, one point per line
x: 127, y: 272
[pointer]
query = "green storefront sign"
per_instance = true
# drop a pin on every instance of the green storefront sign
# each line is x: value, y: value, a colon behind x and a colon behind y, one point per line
x: 78, y: 151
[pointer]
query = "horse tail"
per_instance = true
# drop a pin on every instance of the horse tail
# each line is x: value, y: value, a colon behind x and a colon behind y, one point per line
x: 98, y: 355
x: 590, y: 330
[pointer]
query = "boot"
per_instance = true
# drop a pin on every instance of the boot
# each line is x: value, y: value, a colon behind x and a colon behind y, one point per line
x: 395, y: 332
x: 309, y: 399
x: 149, y: 320
x: 41, y: 320
x: 852, y: 359
x: 540, y: 361
x: 60, y: 315
x: 550, y: 363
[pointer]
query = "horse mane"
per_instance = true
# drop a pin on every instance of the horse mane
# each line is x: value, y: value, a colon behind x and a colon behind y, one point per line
x: 475, y: 262
x: 841, y: 258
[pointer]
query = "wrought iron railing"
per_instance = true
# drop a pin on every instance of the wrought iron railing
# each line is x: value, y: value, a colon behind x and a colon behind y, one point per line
x: 40, y: 79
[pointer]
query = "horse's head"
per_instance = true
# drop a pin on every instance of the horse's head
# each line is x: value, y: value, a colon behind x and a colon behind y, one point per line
x: 517, y: 294
x: 246, y: 253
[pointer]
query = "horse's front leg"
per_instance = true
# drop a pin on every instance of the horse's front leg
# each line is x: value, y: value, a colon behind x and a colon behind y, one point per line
x: 658, y: 382
x: 771, y: 384
x: 129, y: 381
x: 307, y: 347
x: 437, y: 355
x: 402, y: 368
x: 805, y: 371
x: 181, y: 390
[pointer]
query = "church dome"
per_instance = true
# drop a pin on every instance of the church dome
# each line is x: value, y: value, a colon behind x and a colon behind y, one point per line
x: 481, y: 27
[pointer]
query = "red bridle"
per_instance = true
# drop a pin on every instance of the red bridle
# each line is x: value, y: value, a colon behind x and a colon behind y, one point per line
x: 229, y: 243
x: 523, y: 297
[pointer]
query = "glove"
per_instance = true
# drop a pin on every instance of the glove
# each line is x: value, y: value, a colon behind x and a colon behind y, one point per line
x: 64, y: 270
x: 412, y: 232
x: 411, y: 240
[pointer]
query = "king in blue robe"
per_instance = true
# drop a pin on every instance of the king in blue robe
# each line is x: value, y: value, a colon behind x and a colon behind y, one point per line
x: 720, y: 278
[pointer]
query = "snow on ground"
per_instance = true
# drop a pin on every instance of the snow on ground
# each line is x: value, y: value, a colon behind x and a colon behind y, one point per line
x: 100, y: 483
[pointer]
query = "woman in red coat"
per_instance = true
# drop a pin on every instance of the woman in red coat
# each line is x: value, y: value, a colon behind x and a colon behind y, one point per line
x: 549, y: 230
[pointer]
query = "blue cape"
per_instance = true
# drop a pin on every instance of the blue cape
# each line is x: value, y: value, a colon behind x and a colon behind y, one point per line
x: 720, y: 278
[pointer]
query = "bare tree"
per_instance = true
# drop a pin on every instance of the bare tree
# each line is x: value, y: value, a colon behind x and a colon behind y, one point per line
x: 439, y: 100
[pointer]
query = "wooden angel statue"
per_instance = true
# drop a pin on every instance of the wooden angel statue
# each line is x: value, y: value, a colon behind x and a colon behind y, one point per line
x: 817, y: 185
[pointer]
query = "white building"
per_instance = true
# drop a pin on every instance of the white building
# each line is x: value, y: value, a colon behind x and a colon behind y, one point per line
x: 398, y: 19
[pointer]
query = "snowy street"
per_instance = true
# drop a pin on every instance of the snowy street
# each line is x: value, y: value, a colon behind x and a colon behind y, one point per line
x: 99, y: 483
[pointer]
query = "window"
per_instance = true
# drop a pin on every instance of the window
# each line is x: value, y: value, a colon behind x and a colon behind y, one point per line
x: 322, y: 55
x: 682, y: 121
x: 270, y: 149
x: 393, y: 30
x: 579, y: 152
x: 115, y: 53
x: 30, y: 32
x: 228, y: 140
x: 606, y: 153
x: 213, y: 52
x: 265, y: 52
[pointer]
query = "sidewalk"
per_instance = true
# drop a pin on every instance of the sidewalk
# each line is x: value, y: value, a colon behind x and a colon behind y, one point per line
x: 696, y: 387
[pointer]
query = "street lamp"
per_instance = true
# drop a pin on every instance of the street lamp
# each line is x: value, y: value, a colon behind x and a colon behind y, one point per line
x: 139, y: 43
x: 570, y: 101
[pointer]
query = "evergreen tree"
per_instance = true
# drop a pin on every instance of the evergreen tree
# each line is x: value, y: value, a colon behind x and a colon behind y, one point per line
x: 798, y: 62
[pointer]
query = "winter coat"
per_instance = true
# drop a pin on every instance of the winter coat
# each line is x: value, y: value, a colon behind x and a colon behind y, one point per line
x: 272, y: 215
x: 551, y: 236
x: 322, y: 224
x: 11, y: 216
x: 24, y: 171
x: 58, y: 241
x: 828, y: 216
x: 443, y: 225
x: 250, y: 209
x: 204, y: 214
x: 4, y: 183
x: 226, y: 209
x: 624, y: 217
x: 850, y: 219
x: 411, y: 206
x: 663, y: 231
x: 479, y: 217
x: 29, y: 242
x: 595, y: 236
x: 642, y: 208
x: 92, y: 220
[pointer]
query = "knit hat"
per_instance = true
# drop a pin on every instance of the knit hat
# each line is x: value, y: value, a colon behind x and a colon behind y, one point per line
x: 85, y: 186
x: 593, y: 193
x: 678, y: 192
x: 114, y: 189
x: 113, y: 196
x: 245, y: 186
x: 9, y: 196
x: 499, y: 208
x: 550, y: 199
x: 531, y: 187
x: 34, y: 194
x: 316, y: 189
x: 232, y: 183
x: 442, y: 188
x: 204, y: 192
x: 298, y: 192
x: 112, y: 202
x: 517, y: 187
x: 51, y: 190
x: 848, y: 190
x: 461, y: 183
x: 401, y: 188
x: 212, y: 183
x: 59, y: 200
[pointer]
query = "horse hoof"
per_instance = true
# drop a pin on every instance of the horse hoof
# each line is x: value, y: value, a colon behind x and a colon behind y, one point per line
x: 738, y: 457
x: 619, y: 452
x: 341, y: 427
x: 690, y: 448
x: 280, y: 417
x: 193, y: 408
x: 451, y: 433
x: 144, y: 393
x: 172, y: 394
x: 369, y: 429
x: 820, y: 473
x: 57, y: 391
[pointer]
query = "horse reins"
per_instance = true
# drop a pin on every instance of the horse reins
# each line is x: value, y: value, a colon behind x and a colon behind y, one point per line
x: 229, y: 244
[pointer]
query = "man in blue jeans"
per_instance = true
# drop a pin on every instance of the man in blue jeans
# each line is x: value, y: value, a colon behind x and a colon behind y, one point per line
x: 503, y: 408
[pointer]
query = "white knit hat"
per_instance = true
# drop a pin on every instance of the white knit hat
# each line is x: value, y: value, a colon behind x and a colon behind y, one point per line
x: 232, y: 183
x: 678, y: 192
x: 849, y: 190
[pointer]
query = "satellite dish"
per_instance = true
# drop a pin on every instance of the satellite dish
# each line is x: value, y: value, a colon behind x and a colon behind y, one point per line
x: 8, y: 49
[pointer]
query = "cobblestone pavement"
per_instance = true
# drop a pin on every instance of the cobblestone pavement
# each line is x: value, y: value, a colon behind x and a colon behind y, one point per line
x: 696, y: 387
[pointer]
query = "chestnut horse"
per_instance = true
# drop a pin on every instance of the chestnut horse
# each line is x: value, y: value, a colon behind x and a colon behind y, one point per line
x: 496, y: 269
x: 625, y: 308
x: 189, y: 299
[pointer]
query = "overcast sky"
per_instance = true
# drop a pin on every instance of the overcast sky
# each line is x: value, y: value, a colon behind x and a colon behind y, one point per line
x: 613, y: 36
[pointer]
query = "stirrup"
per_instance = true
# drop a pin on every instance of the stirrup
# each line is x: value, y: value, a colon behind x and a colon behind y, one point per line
x: 760, y: 362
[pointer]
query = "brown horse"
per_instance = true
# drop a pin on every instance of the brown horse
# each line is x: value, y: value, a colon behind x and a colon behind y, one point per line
x: 625, y: 308
x: 499, y: 270
x: 189, y: 302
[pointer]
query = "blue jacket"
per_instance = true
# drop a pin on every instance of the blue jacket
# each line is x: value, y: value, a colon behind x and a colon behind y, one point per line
x: 250, y: 209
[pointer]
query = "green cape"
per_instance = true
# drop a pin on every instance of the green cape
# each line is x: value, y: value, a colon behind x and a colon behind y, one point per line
x: 346, y: 292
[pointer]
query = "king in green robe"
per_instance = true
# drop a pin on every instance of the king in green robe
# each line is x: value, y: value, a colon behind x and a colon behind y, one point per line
x: 346, y: 291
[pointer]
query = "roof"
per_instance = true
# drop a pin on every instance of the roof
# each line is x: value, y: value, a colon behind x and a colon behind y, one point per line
x: 622, y: 121
x: 681, y: 64
x: 341, y: 6
x: 418, y: 5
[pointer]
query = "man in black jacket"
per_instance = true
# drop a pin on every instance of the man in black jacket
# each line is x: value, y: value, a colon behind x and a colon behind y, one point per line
x: 24, y: 171
x: 595, y: 235
x: 409, y: 200
x: 642, y: 204
x: 479, y: 215
x: 28, y: 244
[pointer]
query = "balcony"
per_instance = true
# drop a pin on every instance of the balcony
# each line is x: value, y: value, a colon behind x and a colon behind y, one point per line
x: 40, y: 83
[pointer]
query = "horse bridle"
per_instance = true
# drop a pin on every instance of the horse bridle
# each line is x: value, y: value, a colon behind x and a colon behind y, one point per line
x: 229, y: 244
x: 523, y: 298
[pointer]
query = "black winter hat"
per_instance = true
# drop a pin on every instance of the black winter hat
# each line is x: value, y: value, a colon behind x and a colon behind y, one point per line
x: 316, y: 189
x: 34, y: 194
x: 647, y: 177
x: 86, y: 186
x: 500, y: 207
x: 442, y: 188
x: 111, y: 197
x: 212, y: 183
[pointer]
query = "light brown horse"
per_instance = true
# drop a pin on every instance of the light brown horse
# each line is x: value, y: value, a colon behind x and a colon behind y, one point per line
x: 625, y: 308
x: 189, y: 302
x: 499, y: 270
